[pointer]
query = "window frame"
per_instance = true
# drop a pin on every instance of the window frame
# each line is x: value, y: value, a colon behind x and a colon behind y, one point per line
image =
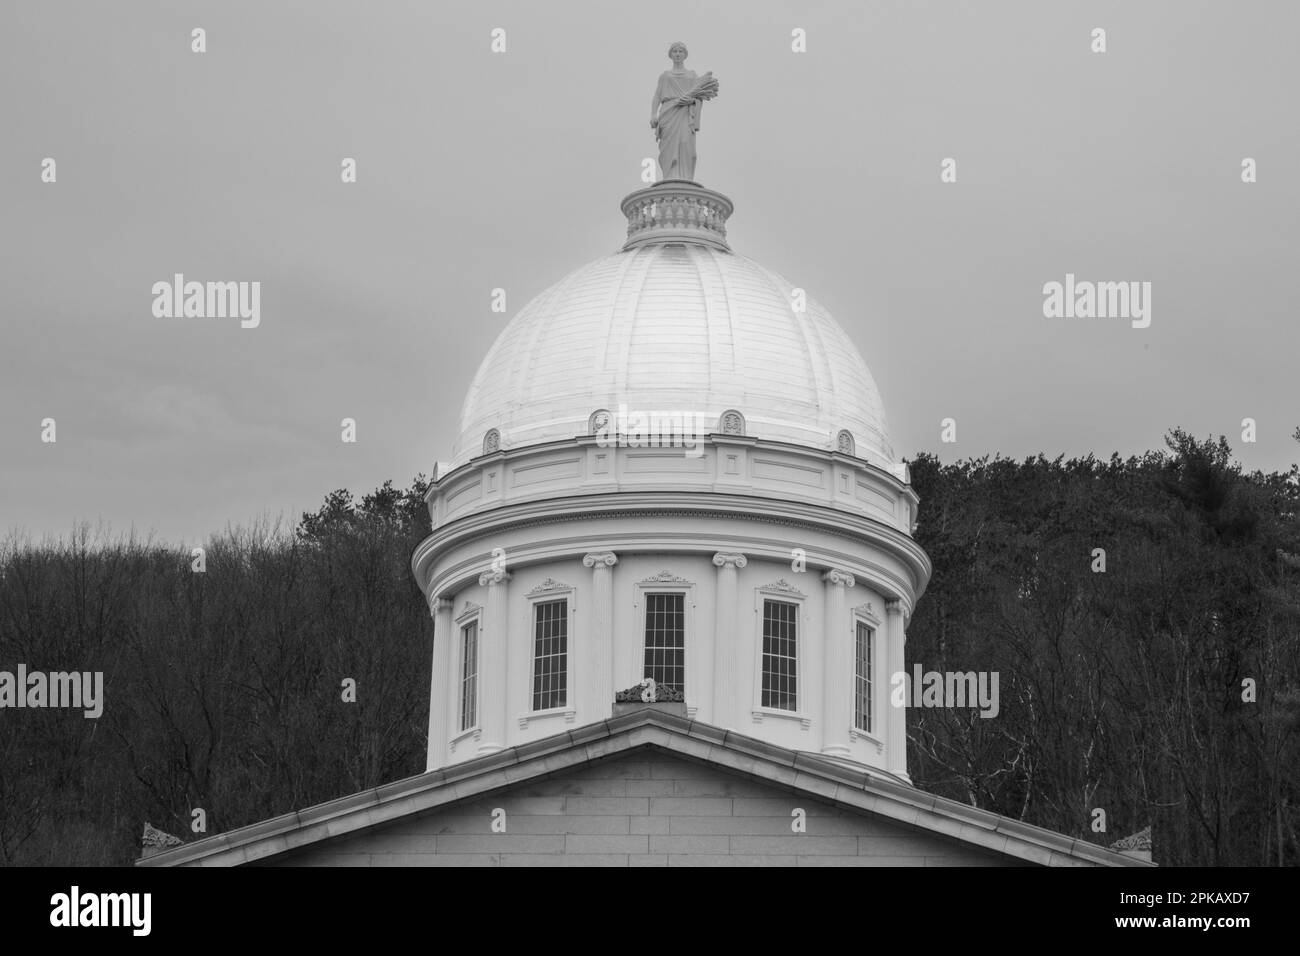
x: 665, y: 582
x: 865, y: 615
x: 785, y: 593
x: 475, y: 621
x: 547, y: 592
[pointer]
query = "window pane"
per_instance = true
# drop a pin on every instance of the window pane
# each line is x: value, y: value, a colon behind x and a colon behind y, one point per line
x: 665, y: 640
x: 550, y: 655
x: 468, y: 675
x: 780, y: 655
x: 864, y: 678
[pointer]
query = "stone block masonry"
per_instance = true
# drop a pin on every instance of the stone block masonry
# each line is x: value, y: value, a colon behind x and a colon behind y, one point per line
x: 647, y: 808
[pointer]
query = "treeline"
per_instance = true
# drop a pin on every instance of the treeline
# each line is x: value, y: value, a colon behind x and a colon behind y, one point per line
x: 1120, y: 689
x: 1163, y: 690
x: 223, y: 689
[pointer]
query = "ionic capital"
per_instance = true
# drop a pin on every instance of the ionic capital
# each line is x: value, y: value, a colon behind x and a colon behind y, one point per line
x: 838, y: 578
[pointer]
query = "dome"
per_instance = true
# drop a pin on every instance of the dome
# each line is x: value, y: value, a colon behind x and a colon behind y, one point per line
x: 574, y: 554
x: 666, y: 327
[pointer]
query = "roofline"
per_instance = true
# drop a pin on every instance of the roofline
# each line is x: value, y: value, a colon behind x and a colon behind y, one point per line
x: 648, y: 726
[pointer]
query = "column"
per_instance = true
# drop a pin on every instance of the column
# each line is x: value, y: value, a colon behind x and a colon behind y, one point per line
x: 595, y: 660
x: 494, y: 632
x: 837, y: 665
x: 896, y: 717
x: 440, y: 682
x: 727, y: 705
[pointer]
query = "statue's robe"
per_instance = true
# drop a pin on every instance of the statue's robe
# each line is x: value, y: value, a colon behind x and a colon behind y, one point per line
x: 677, y: 125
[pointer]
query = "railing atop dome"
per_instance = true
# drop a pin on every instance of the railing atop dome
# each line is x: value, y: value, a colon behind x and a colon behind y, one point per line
x: 677, y: 210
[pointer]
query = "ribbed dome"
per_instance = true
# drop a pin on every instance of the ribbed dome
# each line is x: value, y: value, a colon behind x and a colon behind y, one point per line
x: 676, y: 327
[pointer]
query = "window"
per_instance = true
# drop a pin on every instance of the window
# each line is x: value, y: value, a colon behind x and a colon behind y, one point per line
x: 665, y: 640
x: 864, y: 678
x: 780, y: 654
x: 550, y: 654
x: 469, y: 675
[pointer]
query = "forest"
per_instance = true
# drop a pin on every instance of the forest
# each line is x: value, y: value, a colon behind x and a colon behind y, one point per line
x: 1143, y: 615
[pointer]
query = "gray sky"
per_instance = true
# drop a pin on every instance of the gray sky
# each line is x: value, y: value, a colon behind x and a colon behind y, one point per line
x: 479, y: 170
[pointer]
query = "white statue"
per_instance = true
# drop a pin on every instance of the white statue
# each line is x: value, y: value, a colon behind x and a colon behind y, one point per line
x: 675, y: 114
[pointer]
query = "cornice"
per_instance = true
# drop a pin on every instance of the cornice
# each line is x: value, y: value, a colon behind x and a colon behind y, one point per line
x: 682, y: 504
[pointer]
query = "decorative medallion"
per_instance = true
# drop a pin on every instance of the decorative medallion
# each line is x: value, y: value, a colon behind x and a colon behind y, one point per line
x: 844, y: 442
x: 649, y: 692
x: 732, y: 422
x: 491, y: 441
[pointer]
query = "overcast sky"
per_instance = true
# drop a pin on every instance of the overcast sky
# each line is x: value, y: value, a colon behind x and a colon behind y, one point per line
x: 478, y: 170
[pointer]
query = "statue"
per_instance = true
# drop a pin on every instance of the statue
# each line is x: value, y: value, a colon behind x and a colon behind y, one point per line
x: 675, y: 114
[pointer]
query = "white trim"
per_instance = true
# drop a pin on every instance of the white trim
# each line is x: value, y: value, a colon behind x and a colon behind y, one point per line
x: 855, y: 735
x: 664, y: 577
x: 782, y: 588
x: 568, y: 713
x: 544, y: 593
x: 758, y: 713
x: 549, y: 586
x: 868, y: 613
x: 474, y: 732
x: 880, y: 557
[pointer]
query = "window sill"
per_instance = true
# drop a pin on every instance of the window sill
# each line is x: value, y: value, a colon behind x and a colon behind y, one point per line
x: 474, y: 733
x: 759, y: 713
x: 856, y: 734
x: 568, y: 713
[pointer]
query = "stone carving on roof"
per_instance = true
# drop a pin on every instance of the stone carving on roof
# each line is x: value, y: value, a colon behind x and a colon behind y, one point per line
x: 649, y: 692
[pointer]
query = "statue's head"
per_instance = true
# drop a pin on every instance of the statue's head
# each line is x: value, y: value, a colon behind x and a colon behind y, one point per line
x: 677, y: 52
